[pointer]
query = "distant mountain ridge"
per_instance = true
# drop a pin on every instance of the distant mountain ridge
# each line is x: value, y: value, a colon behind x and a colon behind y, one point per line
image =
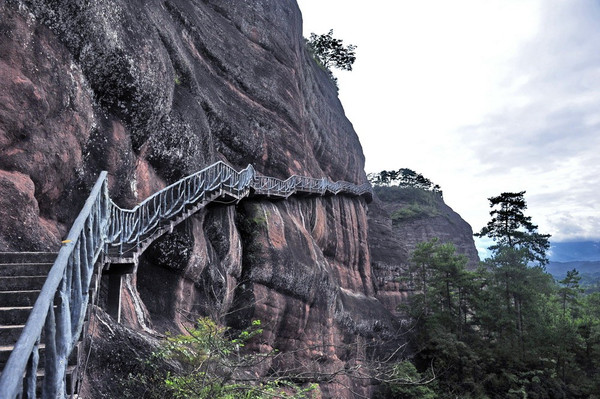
x: 574, y: 251
x: 560, y: 269
x: 584, y: 256
x: 589, y: 271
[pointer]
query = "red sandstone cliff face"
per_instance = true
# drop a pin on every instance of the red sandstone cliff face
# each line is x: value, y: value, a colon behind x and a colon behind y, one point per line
x: 303, y: 268
x: 45, y: 120
x: 154, y: 90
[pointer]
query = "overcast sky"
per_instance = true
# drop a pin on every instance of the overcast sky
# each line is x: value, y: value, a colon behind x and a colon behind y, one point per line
x: 482, y: 97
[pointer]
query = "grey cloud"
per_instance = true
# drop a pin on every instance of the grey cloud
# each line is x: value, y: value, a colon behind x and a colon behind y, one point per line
x: 563, y: 68
x: 573, y: 228
x: 553, y: 137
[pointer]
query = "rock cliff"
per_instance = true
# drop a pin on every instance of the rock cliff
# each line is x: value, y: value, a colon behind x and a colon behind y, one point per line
x: 153, y: 90
x: 399, y: 219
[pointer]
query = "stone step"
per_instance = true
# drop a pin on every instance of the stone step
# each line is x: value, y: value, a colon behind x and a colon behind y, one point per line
x: 24, y: 269
x: 10, y: 334
x: 23, y: 298
x: 5, y: 351
x: 18, y: 283
x: 71, y: 375
x: 21, y: 277
x: 18, y: 298
x: 28, y: 257
x: 14, y: 316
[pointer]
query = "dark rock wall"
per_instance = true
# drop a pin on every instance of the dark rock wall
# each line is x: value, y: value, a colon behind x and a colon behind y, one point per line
x: 160, y: 89
x: 301, y: 266
x: 198, y: 81
x: 46, y: 119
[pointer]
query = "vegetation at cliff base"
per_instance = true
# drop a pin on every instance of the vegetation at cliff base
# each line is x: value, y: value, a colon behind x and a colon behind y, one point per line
x: 209, y: 362
x: 507, y: 329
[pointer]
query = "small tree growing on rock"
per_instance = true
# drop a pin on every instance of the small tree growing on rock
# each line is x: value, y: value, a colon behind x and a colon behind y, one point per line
x: 330, y: 52
x: 209, y: 363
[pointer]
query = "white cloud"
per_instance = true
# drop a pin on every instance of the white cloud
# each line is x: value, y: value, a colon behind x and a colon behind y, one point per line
x: 481, y: 97
x: 547, y: 140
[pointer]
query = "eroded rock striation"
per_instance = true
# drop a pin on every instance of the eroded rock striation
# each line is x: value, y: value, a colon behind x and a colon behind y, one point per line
x: 154, y: 90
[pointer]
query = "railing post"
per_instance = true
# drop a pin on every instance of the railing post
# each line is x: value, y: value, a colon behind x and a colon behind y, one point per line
x: 30, y: 381
x: 49, y: 389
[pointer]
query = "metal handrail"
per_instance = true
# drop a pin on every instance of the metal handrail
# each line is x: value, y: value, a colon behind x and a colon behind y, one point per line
x: 272, y: 186
x: 101, y: 222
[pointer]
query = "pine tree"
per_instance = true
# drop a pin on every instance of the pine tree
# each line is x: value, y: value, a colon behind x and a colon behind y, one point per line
x: 509, y: 227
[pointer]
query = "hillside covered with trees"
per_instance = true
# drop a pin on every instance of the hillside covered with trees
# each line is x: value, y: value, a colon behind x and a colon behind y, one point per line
x: 505, y: 330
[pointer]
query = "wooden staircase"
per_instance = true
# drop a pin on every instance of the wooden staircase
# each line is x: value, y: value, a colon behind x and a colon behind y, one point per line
x: 22, y: 275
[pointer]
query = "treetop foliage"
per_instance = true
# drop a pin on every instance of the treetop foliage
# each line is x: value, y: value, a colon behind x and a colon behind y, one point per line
x: 509, y: 227
x: 507, y: 329
x: 403, y: 178
x: 330, y: 52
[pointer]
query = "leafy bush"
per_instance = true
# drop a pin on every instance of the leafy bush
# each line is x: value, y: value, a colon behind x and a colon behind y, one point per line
x: 330, y: 52
x: 414, y: 211
x: 406, y: 382
x: 414, y: 202
x: 213, y: 365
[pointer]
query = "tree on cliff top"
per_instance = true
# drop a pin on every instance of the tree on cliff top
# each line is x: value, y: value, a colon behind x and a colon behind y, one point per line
x: 330, y: 52
x: 403, y: 178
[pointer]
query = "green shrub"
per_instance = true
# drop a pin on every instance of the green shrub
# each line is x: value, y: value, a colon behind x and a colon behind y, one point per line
x: 407, y: 194
x: 414, y: 211
x: 407, y: 383
x: 212, y: 364
x: 414, y: 202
